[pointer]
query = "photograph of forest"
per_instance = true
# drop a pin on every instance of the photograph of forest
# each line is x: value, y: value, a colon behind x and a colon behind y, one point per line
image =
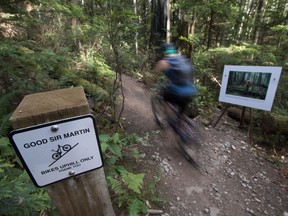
x: 248, y: 84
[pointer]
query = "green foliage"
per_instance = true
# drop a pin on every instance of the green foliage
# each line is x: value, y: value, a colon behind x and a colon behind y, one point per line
x: 99, y: 73
x: 127, y: 185
x: 24, y: 71
x: 128, y: 188
x: 5, y: 112
x: 203, y: 104
x: 242, y: 55
x: 6, y: 151
x: 136, y: 207
x: 193, y: 40
x: 128, y: 180
x: 133, y: 181
x: 5, y: 101
x: 18, y: 196
x: 113, y: 146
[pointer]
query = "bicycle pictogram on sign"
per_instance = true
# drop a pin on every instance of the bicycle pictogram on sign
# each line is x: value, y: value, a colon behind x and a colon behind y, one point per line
x: 61, y: 151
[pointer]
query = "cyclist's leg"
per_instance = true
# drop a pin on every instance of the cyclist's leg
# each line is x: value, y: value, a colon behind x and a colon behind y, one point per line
x: 172, y: 108
x: 168, y: 96
x: 170, y: 99
x: 183, y: 102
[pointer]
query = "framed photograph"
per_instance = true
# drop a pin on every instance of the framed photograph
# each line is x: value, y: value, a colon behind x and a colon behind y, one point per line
x: 250, y: 86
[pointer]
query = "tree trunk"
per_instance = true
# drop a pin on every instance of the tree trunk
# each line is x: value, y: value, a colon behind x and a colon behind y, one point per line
x: 136, y: 32
x: 158, y: 21
x: 258, y: 21
x: 210, y: 34
x: 168, y: 33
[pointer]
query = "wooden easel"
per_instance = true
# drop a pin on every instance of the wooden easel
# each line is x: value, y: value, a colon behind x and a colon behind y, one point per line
x: 223, y: 112
x: 250, y: 131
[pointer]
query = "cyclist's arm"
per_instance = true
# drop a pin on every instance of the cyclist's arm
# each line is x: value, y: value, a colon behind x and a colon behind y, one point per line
x: 161, y: 66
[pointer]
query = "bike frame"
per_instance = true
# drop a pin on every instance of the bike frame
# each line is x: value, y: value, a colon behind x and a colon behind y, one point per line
x: 180, y: 124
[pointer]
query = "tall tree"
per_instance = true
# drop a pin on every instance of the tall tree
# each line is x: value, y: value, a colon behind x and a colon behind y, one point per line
x: 158, y: 21
x: 168, y: 10
x: 136, y: 33
x: 258, y: 20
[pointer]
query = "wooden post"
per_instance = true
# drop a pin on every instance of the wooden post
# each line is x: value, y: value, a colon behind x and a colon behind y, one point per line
x: 85, y: 194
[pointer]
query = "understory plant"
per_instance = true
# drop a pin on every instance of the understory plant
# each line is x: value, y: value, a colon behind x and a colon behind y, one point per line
x: 18, y: 195
x: 126, y: 184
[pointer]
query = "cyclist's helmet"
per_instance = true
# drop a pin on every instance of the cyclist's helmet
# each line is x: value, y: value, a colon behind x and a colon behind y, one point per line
x: 169, y: 48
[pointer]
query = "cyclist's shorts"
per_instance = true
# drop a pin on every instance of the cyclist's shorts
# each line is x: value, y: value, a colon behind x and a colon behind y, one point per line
x: 181, y: 101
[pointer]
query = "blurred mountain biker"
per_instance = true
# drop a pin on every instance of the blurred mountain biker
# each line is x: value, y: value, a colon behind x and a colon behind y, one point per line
x: 179, y: 72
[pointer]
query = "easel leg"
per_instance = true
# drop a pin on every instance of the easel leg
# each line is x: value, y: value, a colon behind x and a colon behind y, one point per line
x: 251, y: 128
x: 242, y: 117
x: 220, y: 116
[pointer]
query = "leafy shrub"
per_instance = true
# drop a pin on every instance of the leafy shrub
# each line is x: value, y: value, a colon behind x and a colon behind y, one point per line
x: 202, y: 104
x: 18, y: 196
x: 127, y: 186
x: 24, y: 70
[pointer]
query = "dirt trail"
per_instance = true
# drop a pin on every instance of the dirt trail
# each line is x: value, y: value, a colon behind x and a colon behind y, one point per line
x: 232, y: 180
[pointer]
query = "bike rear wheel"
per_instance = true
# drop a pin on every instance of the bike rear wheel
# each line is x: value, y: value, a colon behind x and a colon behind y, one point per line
x: 190, y: 139
x: 189, y: 132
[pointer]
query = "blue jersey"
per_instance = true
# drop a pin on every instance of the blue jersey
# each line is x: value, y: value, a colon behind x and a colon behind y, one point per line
x: 180, y: 74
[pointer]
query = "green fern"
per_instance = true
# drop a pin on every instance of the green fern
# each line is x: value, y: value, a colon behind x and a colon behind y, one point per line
x: 116, y: 185
x: 119, y: 190
x: 4, y: 165
x: 128, y: 187
x: 6, y: 151
x: 5, y: 124
x: 133, y: 181
x: 4, y: 102
x: 136, y: 206
x: 18, y: 196
x: 5, y: 113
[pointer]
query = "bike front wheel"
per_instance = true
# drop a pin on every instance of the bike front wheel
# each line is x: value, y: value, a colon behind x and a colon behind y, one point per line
x: 158, y: 108
x: 66, y: 147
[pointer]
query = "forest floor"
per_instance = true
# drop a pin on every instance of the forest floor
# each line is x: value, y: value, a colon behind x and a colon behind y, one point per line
x: 234, y: 178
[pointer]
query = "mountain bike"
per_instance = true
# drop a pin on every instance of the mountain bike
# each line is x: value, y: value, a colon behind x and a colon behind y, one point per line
x: 168, y: 115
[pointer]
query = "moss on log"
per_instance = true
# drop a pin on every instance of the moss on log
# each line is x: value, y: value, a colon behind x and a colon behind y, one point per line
x: 268, y: 123
x: 274, y: 124
x: 91, y: 88
x: 235, y: 113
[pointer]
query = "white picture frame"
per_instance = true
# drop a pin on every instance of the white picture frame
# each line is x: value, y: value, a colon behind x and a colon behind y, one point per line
x: 250, y: 86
